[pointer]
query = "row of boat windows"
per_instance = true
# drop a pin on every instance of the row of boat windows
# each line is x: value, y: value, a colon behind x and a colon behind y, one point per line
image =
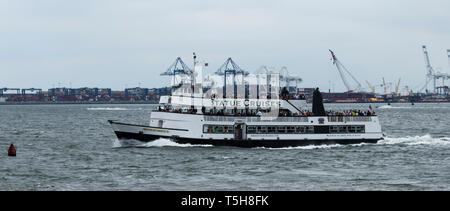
x: 281, y: 129
x: 305, y: 129
x: 223, y: 129
x: 347, y: 129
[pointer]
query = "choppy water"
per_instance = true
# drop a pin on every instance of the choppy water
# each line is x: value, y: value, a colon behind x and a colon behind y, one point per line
x: 72, y: 147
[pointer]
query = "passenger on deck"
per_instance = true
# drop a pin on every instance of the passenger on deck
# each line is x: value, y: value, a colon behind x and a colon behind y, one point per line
x: 259, y: 113
x: 284, y: 93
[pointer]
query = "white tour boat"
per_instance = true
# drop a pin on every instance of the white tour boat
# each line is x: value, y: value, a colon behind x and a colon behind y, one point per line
x: 254, y: 114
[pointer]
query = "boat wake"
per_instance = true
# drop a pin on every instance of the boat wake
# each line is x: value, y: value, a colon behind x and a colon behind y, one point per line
x: 394, y: 107
x: 412, y: 107
x: 330, y: 146
x: 157, y: 143
x: 162, y: 142
x: 303, y: 147
x: 384, y: 107
x: 408, y: 140
x: 112, y: 109
x: 118, y: 143
x: 416, y: 140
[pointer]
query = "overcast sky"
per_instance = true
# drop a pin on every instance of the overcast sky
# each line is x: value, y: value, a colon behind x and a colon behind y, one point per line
x: 118, y: 44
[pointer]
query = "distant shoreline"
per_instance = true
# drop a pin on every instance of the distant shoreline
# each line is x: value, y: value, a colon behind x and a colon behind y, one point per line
x: 73, y: 103
x: 155, y: 103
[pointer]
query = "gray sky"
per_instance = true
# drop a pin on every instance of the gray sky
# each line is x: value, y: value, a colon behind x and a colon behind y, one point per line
x: 112, y: 43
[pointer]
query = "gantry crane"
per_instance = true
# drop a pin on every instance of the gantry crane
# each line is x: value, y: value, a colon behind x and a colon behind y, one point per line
x: 177, y: 68
x: 431, y: 73
x: 287, y: 78
x: 5, y: 89
x: 230, y: 68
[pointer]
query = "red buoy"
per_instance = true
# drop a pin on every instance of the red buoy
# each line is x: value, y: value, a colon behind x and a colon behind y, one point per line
x: 12, y: 150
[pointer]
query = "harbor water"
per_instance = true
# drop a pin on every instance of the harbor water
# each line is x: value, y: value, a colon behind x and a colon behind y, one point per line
x: 72, y: 147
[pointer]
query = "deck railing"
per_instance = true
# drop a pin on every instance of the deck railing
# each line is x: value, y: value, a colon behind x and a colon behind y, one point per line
x: 285, y: 119
x: 349, y: 119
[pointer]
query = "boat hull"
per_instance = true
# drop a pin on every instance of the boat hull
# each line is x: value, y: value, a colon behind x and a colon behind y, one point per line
x: 243, y: 143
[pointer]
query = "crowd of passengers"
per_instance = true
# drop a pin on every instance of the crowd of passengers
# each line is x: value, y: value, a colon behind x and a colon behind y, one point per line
x: 293, y: 97
x: 256, y: 113
x: 331, y: 113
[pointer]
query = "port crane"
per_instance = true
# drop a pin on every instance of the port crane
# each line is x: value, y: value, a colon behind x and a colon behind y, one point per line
x: 433, y: 75
x: 370, y: 86
x: 177, y: 68
x: 429, y: 68
x: 397, y: 87
x: 287, y: 78
x: 230, y: 68
x: 24, y: 91
x: 386, y: 86
x: 5, y: 89
x: 342, y: 70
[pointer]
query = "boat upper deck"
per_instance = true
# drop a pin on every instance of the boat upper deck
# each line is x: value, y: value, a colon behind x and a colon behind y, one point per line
x: 256, y: 113
x: 287, y: 119
x: 331, y: 117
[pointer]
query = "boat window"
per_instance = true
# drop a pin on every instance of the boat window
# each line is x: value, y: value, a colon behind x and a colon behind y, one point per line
x: 352, y: 129
x: 347, y: 129
x: 334, y: 129
x: 281, y: 129
x: 251, y: 129
x: 271, y: 129
x: 322, y: 129
x: 262, y: 129
x: 359, y: 128
x: 310, y: 129
x: 207, y: 128
x: 290, y: 129
x: 342, y: 129
x: 220, y: 129
x: 300, y: 129
x: 229, y: 129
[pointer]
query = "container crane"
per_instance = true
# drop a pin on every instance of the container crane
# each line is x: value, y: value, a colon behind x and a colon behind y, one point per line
x: 342, y: 70
x: 5, y: 89
x: 287, y: 78
x: 177, y: 68
x: 230, y: 68
x: 429, y: 68
x: 38, y: 91
x: 431, y: 73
